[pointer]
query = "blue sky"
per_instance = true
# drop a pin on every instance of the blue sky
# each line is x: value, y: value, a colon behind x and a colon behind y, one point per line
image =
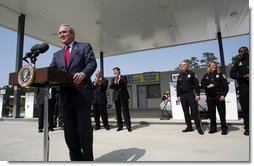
x: 154, y: 60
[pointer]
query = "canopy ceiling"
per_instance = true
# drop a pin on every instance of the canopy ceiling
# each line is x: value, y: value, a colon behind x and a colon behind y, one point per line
x: 123, y: 26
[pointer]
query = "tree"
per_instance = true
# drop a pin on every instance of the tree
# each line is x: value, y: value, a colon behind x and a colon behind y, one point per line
x: 194, y: 63
x: 23, y: 91
x: 177, y: 68
x: 8, y: 90
x: 234, y: 59
x: 208, y: 57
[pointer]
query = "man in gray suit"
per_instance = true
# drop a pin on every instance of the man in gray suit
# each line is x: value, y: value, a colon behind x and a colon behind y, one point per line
x: 100, y: 85
x: 76, y: 101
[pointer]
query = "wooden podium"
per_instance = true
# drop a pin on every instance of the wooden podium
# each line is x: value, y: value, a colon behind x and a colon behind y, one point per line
x: 45, y: 77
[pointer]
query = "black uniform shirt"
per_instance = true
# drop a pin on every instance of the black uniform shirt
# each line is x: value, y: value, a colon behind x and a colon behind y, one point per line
x: 220, y: 82
x: 240, y: 69
x: 186, y: 82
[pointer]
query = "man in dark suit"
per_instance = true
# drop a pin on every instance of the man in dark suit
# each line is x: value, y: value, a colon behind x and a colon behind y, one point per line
x: 40, y: 105
x: 120, y: 98
x: 76, y: 101
x: 100, y: 85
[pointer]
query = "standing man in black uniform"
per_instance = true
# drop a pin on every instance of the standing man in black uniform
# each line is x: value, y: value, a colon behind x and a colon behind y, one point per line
x: 40, y: 104
x: 240, y: 72
x: 100, y: 85
x: 216, y: 89
x: 188, y: 93
x: 120, y: 98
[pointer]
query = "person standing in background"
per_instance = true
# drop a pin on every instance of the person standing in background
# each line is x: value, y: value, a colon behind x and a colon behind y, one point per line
x: 188, y: 93
x: 120, y: 98
x: 100, y: 85
x: 240, y: 72
x: 40, y: 105
x: 216, y: 89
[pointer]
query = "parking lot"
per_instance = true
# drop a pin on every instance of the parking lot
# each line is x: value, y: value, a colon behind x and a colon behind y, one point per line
x: 152, y: 139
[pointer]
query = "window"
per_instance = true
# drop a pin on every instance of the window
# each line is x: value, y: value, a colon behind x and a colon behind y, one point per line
x: 153, y: 91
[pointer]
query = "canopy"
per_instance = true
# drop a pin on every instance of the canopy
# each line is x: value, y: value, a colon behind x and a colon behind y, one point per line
x: 123, y: 26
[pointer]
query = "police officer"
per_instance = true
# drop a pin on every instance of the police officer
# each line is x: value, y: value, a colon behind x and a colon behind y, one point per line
x: 216, y: 89
x: 240, y: 72
x: 188, y: 93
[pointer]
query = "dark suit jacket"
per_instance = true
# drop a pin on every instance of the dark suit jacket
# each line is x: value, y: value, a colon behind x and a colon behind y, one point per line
x: 82, y: 59
x: 99, y: 92
x: 120, y: 89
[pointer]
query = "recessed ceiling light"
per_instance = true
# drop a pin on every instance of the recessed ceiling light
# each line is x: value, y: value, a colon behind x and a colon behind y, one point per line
x: 163, y: 7
x: 234, y: 14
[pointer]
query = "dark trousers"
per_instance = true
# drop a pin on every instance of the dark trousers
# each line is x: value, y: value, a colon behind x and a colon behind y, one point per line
x: 100, y: 110
x: 122, y: 105
x: 244, y: 101
x: 212, y: 103
x: 41, y: 116
x: 188, y: 101
x: 78, y: 131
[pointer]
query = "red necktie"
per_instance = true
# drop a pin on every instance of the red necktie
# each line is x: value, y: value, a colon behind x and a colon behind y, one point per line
x: 67, y: 54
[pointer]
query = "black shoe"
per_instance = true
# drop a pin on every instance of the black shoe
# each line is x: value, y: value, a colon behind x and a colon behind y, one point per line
x: 97, y: 128
x: 107, y: 128
x: 51, y: 129
x: 246, y: 132
x: 187, y: 130
x: 40, y: 131
x: 119, y: 129
x: 212, y: 131
x: 224, y: 133
x: 200, y: 132
x: 129, y: 130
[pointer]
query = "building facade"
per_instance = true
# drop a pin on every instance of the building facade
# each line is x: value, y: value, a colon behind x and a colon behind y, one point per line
x: 146, y: 89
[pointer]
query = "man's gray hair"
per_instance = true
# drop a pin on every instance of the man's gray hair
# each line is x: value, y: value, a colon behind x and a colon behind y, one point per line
x: 70, y: 28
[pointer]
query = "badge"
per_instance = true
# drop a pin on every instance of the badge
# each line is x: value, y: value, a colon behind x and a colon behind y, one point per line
x: 189, y: 76
x: 240, y: 64
x: 26, y: 76
x: 217, y: 76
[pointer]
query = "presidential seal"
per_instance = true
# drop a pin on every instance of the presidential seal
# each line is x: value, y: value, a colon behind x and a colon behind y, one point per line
x: 26, y: 75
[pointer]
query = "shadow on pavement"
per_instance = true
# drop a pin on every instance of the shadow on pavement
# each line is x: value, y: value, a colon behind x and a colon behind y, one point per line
x: 122, y: 155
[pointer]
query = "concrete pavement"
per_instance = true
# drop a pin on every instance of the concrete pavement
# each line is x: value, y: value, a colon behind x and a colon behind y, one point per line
x: 152, y: 139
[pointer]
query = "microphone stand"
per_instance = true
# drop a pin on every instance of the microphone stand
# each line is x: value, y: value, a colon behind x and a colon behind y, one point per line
x: 46, y: 140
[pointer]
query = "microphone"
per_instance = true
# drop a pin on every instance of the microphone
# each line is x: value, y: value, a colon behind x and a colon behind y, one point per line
x: 34, y: 48
x: 31, y: 52
x: 35, y: 51
x: 39, y: 49
x: 43, y: 48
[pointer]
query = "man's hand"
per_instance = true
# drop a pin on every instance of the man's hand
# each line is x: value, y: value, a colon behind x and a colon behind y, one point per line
x: 78, y: 78
x: 197, y: 98
x: 246, y: 76
x: 222, y: 98
x: 210, y: 86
